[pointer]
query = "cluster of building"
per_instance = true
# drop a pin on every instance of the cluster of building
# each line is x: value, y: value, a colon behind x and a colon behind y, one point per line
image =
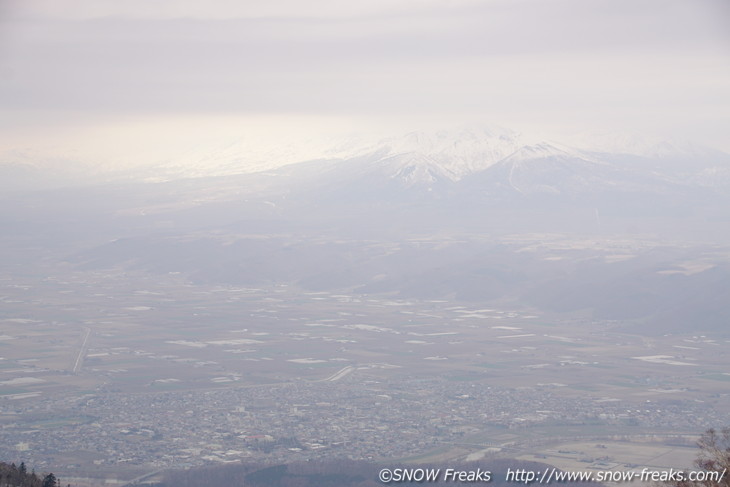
x: 359, y: 416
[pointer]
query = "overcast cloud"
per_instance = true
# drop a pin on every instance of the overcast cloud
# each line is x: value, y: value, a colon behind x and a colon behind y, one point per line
x: 551, y: 65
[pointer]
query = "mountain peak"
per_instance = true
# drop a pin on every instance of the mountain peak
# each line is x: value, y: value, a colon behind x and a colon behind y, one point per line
x: 545, y: 150
x: 455, y: 152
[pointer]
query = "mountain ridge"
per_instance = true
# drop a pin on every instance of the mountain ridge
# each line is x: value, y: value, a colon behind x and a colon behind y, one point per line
x: 416, y: 160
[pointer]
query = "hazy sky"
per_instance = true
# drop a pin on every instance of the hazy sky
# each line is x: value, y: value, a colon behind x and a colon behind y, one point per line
x: 136, y: 77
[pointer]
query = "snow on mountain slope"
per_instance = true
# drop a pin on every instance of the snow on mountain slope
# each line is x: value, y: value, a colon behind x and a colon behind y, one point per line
x: 544, y: 168
x: 549, y: 169
x: 417, y: 157
x: 429, y: 159
x: 638, y: 145
x: 458, y: 152
x: 425, y: 157
x: 491, y: 155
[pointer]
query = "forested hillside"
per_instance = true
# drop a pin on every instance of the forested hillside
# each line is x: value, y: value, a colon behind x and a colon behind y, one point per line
x: 12, y: 475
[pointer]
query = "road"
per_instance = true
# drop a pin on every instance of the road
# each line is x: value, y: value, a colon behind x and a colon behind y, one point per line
x: 82, y: 351
x: 136, y: 481
x: 339, y: 374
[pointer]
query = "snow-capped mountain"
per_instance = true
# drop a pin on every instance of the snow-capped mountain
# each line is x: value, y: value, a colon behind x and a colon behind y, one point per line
x: 453, y: 154
x: 416, y: 157
x: 491, y: 159
x: 499, y: 162
x: 544, y: 168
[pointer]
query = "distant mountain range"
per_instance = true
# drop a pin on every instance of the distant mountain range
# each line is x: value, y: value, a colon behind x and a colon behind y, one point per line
x: 475, y: 215
x: 495, y: 157
x: 470, y: 178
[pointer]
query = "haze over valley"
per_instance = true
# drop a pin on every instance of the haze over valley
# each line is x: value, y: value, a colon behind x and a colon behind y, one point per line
x: 294, y: 243
x: 418, y: 300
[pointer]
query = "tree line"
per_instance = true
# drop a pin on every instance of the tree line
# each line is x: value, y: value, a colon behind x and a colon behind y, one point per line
x: 12, y: 475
